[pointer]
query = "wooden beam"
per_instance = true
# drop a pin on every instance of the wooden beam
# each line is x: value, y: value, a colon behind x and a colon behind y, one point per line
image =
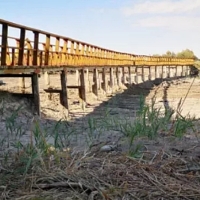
x: 15, y: 75
x: 21, y: 46
x: 47, y: 47
x: 123, y: 75
x: 149, y: 75
x: 64, y: 95
x: 35, y: 50
x: 162, y: 70
x: 156, y: 72
x: 82, y: 91
x: 129, y: 74
x: 4, y: 40
x: 22, y: 84
x: 47, y: 78
x: 143, y: 75
x: 111, y: 77
x: 104, y: 84
x: 35, y: 92
x: 95, y: 80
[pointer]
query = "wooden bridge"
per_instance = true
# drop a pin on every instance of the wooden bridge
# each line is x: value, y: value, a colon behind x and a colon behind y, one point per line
x: 36, y: 52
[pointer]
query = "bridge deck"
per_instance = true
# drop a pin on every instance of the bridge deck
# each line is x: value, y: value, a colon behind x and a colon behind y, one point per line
x: 37, y: 49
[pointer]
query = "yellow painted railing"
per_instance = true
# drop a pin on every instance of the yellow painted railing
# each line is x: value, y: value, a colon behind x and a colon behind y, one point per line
x: 41, y: 52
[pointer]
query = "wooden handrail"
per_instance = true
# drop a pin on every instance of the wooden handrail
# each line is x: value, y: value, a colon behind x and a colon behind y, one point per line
x: 71, y: 53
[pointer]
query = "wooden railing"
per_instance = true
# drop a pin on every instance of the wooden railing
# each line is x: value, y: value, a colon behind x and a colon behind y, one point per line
x: 40, y: 52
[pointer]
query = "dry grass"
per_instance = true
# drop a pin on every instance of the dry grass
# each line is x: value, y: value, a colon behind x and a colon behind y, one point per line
x: 105, y: 176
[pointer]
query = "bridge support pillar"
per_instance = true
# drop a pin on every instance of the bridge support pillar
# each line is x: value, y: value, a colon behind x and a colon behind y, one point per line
x: 129, y: 75
x: 136, y: 75
x: 188, y: 70
x: 168, y: 71
x: 77, y: 75
x: 47, y: 79
x: 64, y: 96
x: 162, y: 72
x: 119, y: 76
x: 22, y: 84
x: 83, y: 88
x: 175, y: 73
x: 95, y: 81
x: 35, y: 92
x: 182, y: 70
x: 149, y: 75
x: 104, y: 79
x: 143, y: 75
x: 123, y: 76
x: 156, y: 72
x: 111, y: 78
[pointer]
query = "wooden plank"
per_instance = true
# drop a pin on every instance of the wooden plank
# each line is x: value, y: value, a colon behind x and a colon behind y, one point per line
x: 49, y: 90
x: 4, y: 43
x: 35, y: 92
x: 64, y: 95
x: 21, y: 46
x: 35, y: 51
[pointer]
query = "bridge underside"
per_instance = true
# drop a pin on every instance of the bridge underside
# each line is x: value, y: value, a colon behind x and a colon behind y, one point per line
x: 104, y: 78
x: 35, y: 52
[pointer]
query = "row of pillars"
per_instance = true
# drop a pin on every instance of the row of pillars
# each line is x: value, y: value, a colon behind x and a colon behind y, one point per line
x: 122, y: 75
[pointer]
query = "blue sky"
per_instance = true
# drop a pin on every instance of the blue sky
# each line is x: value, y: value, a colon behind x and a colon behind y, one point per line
x: 133, y: 26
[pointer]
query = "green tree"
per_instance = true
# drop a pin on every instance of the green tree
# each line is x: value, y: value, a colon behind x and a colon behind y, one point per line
x: 186, y: 54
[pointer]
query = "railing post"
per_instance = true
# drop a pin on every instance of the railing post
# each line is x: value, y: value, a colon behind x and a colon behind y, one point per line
x: 47, y: 46
x: 35, y: 50
x: 4, y: 40
x: 21, y: 46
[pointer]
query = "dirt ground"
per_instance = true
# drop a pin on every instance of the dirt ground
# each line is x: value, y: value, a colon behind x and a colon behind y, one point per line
x: 122, y: 103
x: 91, y: 127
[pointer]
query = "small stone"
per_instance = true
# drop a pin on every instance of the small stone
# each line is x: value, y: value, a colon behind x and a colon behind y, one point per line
x: 107, y: 148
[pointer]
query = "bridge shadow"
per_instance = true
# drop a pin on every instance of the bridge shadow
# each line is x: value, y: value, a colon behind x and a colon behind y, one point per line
x: 120, y: 106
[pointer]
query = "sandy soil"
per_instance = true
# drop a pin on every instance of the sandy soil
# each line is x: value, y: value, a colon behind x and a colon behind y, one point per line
x: 122, y: 105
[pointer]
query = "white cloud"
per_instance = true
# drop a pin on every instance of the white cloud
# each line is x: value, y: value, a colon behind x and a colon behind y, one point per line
x: 171, y: 22
x: 163, y: 7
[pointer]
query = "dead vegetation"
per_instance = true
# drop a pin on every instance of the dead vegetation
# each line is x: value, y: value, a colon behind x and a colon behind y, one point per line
x: 157, y: 155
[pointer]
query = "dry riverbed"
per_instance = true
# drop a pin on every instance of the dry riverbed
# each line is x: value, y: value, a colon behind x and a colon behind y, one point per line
x: 108, y: 150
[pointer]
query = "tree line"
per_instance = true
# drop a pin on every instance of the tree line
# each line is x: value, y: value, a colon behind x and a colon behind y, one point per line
x: 187, y: 53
